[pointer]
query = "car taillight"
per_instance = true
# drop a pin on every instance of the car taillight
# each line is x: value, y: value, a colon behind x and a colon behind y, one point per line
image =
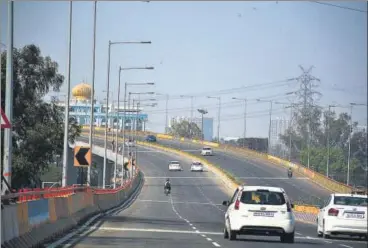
x: 237, y: 203
x: 333, y: 212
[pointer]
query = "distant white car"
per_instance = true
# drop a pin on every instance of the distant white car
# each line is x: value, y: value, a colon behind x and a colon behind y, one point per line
x: 130, y: 143
x: 175, y: 166
x: 206, y: 151
x: 259, y: 210
x: 196, y: 166
x: 343, y: 214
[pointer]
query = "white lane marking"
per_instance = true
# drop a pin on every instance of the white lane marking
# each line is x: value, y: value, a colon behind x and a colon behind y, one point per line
x: 298, y: 233
x: 203, y: 235
x: 328, y: 242
x: 193, y: 227
x: 209, y: 200
x: 345, y: 246
x: 198, y: 203
x: 154, y: 230
x: 157, y: 177
x: 275, y: 178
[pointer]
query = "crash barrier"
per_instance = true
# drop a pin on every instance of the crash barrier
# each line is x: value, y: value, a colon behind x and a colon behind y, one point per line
x: 315, y: 177
x: 33, y: 223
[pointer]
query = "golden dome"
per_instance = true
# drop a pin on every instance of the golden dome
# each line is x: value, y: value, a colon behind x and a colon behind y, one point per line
x: 82, y: 91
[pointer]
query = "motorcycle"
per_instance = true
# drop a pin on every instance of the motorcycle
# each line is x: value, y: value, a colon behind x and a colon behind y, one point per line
x: 167, y: 191
x: 290, y: 174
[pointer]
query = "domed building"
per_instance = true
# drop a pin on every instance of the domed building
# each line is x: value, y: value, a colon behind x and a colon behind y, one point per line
x: 80, y: 109
x: 82, y: 92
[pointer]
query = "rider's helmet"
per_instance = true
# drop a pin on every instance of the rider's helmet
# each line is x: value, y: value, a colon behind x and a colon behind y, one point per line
x: 167, y: 180
x: 289, y: 168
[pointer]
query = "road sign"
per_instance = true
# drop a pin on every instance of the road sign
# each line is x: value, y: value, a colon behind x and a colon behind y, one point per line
x: 82, y: 156
x: 4, y: 120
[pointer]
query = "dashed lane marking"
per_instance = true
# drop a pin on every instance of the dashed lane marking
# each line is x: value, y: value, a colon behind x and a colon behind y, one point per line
x: 199, y: 203
x: 193, y: 227
x: 345, y: 246
x: 154, y: 230
x: 215, y: 244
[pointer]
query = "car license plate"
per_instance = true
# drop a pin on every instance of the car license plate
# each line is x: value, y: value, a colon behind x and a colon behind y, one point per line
x: 264, y: 214
x: 355, y: 216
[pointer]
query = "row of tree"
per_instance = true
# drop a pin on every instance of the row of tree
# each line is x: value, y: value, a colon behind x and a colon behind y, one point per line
x: 37, y: 126
x: 324, y: 135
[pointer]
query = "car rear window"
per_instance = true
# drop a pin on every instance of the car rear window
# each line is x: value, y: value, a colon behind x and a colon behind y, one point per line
x: 261, y: 197
x: 207, y: 149
x: 197, y: 163
x: 350, y: 201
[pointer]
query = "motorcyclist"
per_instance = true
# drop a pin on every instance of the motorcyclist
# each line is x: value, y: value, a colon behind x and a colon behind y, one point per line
x: 167, y: 185
x: 290, y: 172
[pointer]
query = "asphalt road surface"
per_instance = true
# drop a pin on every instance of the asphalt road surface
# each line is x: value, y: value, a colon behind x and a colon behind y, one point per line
x: 192, y: 216
x: 257, y: 172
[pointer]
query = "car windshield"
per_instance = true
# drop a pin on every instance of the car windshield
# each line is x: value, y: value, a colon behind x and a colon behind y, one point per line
x: 350, y: 201
x: 262, y: 197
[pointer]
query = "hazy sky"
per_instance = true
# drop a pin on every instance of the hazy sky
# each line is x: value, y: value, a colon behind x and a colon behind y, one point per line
x: 208, y: 47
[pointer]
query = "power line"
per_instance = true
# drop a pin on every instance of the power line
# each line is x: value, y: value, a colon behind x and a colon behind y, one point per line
x: 339, y: 6
x: 213, y: 106
x: 261, y: 86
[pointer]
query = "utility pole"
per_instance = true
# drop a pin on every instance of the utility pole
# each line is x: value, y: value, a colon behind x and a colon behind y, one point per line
x: 167, y: 114
x: 8, y: 140
x: 66, y: 120
x: 92, y: 121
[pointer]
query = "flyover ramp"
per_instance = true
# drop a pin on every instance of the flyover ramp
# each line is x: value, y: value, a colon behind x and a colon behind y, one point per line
x: 257, y: 172
x: 191, y: 217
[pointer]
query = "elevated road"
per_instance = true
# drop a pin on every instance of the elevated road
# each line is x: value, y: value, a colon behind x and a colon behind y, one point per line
x: 257, y: 172
x: 190, y: 217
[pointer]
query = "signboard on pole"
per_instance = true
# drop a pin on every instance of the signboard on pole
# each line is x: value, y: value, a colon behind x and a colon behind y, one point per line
x: 4, y: 120
x: 82, y: 156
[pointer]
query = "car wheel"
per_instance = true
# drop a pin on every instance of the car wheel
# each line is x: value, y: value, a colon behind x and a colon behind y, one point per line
x: 231, y: 234
x: 319, y: 233
x: 226, y: 234
x: 287, y: 238
x: 324, y: 235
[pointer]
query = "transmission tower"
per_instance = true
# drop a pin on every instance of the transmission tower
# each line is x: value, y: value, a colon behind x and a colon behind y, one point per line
x: 308, y: 96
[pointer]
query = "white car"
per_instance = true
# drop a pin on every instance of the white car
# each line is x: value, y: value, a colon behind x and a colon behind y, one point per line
x: 174, y: 166
x: 206, y: 151
x: 196, y: 166
x: 259, y: 210
x: 343, y: 214
x: 129, y: 143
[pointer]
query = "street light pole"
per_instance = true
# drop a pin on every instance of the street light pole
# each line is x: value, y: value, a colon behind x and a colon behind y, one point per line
x: 245, y: 117
x: 349, y: 141
x: 328, y: 140
x: 66, y: 118
x: 218, y: 118
x: 92, y: 121
x: 107, y: 97
x: 8, y: 144
x: 117, y: 130
x: 106, y: 116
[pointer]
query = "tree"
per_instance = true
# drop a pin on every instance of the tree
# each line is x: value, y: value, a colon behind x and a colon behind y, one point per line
x: 38, y: 126
x: 337, y: 129
x: 186, y: 129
